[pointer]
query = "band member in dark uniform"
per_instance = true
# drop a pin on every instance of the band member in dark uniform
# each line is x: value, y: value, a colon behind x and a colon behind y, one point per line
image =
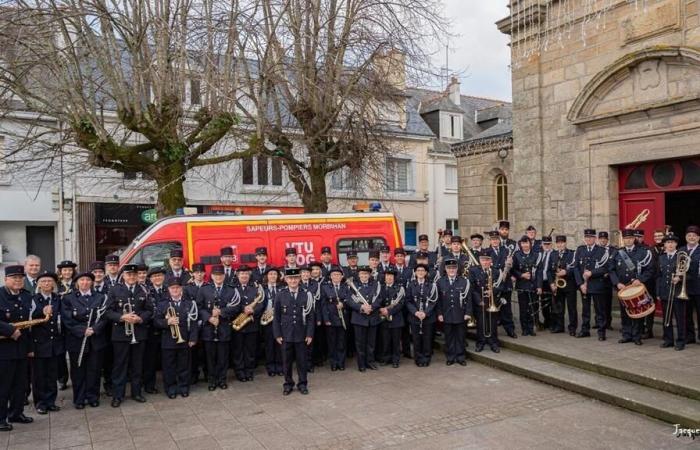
x: 544, y: 290
x: 335, y: 316
x: 365, y: 318
x: 176, y: 270
x: 110, y: 278
x: 504, y: 236
x: 535, y: 244
x: 66, y: 279
x: 692, y: 234
x: 456, y: 255
x: 454, y: 308
x: 525, y: 263
x: 198, y: 359
x: 273, y: 351
x: 404, y: 274
x: 502, y: 259
x: 82, y: 311
x: 245, y: 341
x: 290, y: 258
x: 112, y: 270
x: 604, y: 241
x: 326, y: 261
x: 152, y: 350
x: 48, y: 344
x: 561, y: 267
x: 392, y: 298
x: 656, y: 250
x: 218, y: 304
x: 142, y: 275
x: 668, y: 286
x: 260, y: 270
x: 226, y: 258
x: 631, y: 265
x: 129, y: 308
x: 16, y: 304
x: 350, y: 271
x: 590, y: 270
x: 177, y: 316
x: 293, y: 325
x: 443, y: 247
x: 486, y: 321
x: 421, y: 299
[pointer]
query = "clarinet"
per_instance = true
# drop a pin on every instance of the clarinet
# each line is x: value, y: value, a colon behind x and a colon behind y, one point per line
x: 82, y: 345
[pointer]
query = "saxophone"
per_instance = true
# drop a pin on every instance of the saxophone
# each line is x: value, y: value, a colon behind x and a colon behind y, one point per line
x: 28, y: 324
x: 267, y: 316
x: 244, y: 319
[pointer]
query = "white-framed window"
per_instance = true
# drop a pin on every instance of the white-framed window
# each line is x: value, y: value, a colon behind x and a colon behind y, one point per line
x: 261, y: 171
x: 398, y: 175
x: 452, y: 225
x: 343, y: 180
x: 451, y: 178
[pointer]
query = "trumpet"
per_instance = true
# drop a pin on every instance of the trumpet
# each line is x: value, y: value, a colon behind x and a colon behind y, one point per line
x: 174, y: 329
x: 682, y: 266
x: 244, y: 319
x: 129, y: 328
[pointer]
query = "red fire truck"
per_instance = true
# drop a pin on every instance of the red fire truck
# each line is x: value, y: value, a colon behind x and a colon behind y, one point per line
x: 202, y: 237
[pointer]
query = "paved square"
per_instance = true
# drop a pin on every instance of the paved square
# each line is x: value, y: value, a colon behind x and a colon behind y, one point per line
x: 408, y: 407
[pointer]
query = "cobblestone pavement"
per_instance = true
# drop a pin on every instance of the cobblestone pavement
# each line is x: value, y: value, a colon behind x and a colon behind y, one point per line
x: 409, y: 407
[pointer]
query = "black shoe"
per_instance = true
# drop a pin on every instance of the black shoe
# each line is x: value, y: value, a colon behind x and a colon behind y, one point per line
x: 362, y: 369
x: 62, y: 386
x: 54, y: 408
x: 624, y: 340
x: 116, y: 402
x: 270, y: 374
x: 679, y: 347
x: 449, y: 363
x: 172, y: 396
x: 212, y: 387
x: 601, y: 338
x: 287, y: 391
x: 666, y: 344
x: 242, y: 379
x: 4, y: 426
x: 151, y: 391
x: 495, y: 349
x: 341, y: 368
x: 372, y: 366
x: 572, y: 333
x: 462, y: 363
x: 21, y: 419
x: 479, y: 348
x: 333, y: 368
x: 512, y: 334
x: 583, y: 335
x: 184, y: 394
x: 249, y: 379
x: 281, y: 374
x: 94, y: 404
x: 139, y: 398
x: 304, y: 391
x: 41, y: 411
x: 223, y: 386
x: 80, y: 406
x: 638, y: 342
x: 395, y: 365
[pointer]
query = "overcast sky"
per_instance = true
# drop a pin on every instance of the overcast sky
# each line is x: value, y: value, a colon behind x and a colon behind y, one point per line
x: 479, y: 52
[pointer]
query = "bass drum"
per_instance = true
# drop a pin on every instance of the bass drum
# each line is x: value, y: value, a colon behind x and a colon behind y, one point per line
x: 637, y: 301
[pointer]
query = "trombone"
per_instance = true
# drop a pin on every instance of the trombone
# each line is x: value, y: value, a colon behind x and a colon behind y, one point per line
x: 174, y: 329
x: 682, y: 266
x: 492, y: 308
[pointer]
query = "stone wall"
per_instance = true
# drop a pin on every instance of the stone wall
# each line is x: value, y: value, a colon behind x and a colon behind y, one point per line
x: 630, y: 93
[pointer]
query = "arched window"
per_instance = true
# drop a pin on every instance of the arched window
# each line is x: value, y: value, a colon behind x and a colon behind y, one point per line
x: 501, y: 197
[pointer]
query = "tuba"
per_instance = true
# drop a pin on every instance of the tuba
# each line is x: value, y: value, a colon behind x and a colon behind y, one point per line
x: 244, y: 319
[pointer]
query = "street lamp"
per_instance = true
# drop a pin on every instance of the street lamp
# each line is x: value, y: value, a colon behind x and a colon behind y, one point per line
x: 503, y: 154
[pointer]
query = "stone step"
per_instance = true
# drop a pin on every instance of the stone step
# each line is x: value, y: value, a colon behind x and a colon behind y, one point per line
x: 665, y: 380
x: 665, y: 406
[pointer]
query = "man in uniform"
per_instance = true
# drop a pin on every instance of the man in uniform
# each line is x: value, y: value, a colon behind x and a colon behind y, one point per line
x: 477, y: 240
x: 423, y: 246
x: 290, y: 257
x: 561, y: 266
x: 335, y: 316
x: 590, y: 270
x: 504, y: 235
x: 151, y: 352
x: 226, y: 258
x: 326, y: 261
x: 16, y: 302
x: 384, y: 260
x: 667, y: 283
x: 142, y: 275
x: 218, y: 304
x: 454, y: 308
x: 373, y: 263
x: 97, y: 268
x: 631, y: 266
x: 273, y: 351
x: 294, y: 328
x: 502, y: 259
x: 198, y: 359
x: 179, y: 335
x: 112, y: 269
x: 403, y: 272
x: 365, y: 318
x: 525, y: 263
x: 421, y: 299
x: 656, y: 250
x: 692, y: 234
x: 261, y: 267
x: 443, y: 248
x: 129, y: 308
x: 544, y: 290
x: 486, y: 321
x: 535, y: 244
x: 176, y: 270
x: 604, y: 241
x: 392, y: 297
x: 245, y: 340
x: 455, y: 254
x: 101, y: 286
x: 313, y: 284
x: 47, y: 344
x: 350, y: 271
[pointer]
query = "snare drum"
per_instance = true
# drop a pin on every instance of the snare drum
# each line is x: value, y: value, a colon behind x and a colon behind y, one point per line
x: 637, y: 301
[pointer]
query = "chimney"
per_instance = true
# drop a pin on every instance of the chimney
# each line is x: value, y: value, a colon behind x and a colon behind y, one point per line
x: 454, y: 92
x: 392, y: 66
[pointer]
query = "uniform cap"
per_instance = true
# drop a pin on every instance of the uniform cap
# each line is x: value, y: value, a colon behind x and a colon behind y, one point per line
x: 66, y: 263
x: 226, y: 251
x: 176, y: 253
x: 14, y: 270
x: 45, y: 274
x: 198, y: 267
x: 156, y: 270
x: 97, y: 265
x: 325, y: 250
x: 111, y: 259
x: 290, y: 251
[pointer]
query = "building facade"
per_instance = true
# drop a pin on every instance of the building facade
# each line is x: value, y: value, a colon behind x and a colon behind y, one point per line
x: 606, y: 123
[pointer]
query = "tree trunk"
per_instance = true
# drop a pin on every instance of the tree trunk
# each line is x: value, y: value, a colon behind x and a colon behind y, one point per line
x: 171, y: 191
x: 317, y: 200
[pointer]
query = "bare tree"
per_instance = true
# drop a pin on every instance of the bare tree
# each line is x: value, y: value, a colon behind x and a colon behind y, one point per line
x: 139, y: 86
x: 329, y: 89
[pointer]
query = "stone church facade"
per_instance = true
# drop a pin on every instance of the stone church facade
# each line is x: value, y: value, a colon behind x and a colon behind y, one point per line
x: 601, y: 129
